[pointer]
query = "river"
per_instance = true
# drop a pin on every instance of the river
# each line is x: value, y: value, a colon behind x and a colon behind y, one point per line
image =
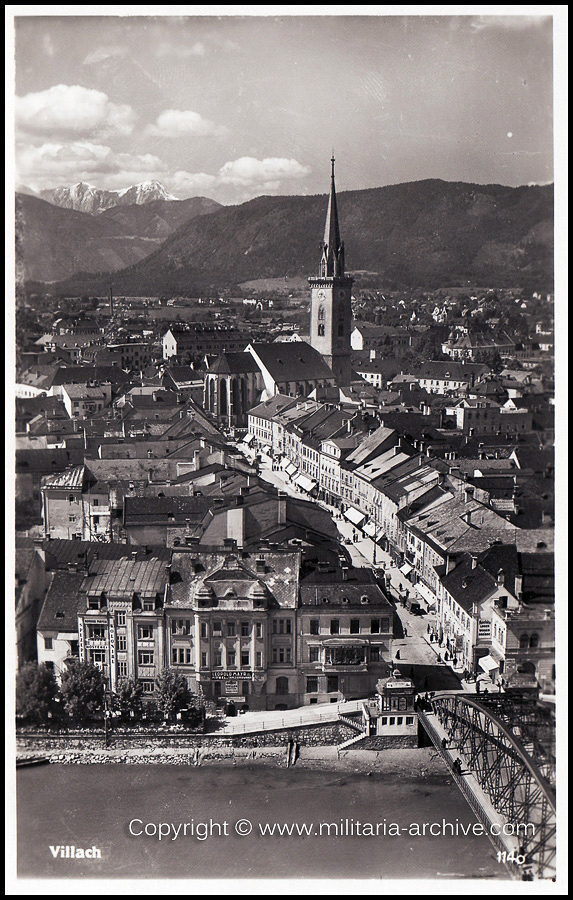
x: 85, y: 806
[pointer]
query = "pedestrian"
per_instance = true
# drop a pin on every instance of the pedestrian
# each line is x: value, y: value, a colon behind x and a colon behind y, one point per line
x: 405, y: 632
x: 428, y: 629
x: 397, y: 654
x: 444, y: 743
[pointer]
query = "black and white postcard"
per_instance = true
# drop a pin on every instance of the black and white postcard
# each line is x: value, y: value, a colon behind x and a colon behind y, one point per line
x: 286, y: 362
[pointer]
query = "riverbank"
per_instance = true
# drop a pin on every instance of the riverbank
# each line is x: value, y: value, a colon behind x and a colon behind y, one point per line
x: 414, y: 763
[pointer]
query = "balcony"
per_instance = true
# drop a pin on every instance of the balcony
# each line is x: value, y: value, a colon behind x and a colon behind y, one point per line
x: 96, y: 644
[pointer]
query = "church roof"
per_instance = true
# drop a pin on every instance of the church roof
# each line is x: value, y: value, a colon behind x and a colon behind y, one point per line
x: 233, y: 364
x: 292, y: 362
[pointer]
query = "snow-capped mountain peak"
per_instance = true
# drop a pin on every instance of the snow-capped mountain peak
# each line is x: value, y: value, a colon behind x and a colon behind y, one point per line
x: 86, y: 197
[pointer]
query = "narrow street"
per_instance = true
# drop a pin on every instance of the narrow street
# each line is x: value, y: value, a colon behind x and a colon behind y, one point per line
x: 412, y: 652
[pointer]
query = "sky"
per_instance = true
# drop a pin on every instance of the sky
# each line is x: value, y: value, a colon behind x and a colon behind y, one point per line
x: 232, y: 107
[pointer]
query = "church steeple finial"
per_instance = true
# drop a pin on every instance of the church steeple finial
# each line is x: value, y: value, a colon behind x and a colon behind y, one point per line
x: 332, y: 261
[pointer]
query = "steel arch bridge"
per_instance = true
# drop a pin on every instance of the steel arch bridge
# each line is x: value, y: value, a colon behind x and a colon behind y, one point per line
x: 513, y: 776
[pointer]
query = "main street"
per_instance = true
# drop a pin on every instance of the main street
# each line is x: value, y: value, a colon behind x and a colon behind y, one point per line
x: 413, y: 653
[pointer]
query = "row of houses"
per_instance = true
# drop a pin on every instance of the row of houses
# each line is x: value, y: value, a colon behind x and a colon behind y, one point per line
x: 427, y: 514
x: 252, y: 627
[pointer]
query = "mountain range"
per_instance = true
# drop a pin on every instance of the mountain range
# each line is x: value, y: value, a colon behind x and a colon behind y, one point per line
x: 53, y: 243
x: 85, y: 197
x: 426, y: 233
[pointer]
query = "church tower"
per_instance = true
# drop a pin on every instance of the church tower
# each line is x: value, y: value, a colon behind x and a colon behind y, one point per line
x: 330, y: 303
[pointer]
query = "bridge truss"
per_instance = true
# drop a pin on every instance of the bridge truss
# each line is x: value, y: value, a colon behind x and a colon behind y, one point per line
x: 511, y: 760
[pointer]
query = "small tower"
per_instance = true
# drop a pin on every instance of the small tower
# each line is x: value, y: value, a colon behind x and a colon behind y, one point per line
x: 330, y: 303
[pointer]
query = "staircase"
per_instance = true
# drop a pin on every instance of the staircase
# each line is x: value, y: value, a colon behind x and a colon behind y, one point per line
x: 358, y: 726
x: 351, y: 741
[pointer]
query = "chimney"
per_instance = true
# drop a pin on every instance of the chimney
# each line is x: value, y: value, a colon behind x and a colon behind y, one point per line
x: 449, y: 564
x: 134, y: 555
x: 236, y: 525
x: 168, y: 572
x: 282, y: 508
x: 474, y: 560
x: 500, y: 578
x: 260, y: 565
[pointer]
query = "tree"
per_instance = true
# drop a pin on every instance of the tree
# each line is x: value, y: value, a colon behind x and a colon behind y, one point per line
x: 82, y: 690
x: 36, y: 692
x: 173, y: 693
x: 129, y: 695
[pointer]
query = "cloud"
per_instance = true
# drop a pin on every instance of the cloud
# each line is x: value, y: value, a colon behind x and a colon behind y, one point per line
x: 179, y: 51
x: 72, y: 110
x: 239, y: 180
x: 250, y: 171
x: 174, y: 123
x: 53, y: 164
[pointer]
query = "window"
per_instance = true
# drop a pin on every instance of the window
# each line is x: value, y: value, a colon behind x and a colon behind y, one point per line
x: 145, y: 657
x: 245, y: 629
x: 203, y: 660
x: 282, y: 626
x: 71, y: 518
x: 71, y: 498
x: 331, y: 683
x: 93, y: 603
x: 149, y: 605
x: 97, y: 657
x: 48, y: 644
x: 259, y: 660
x: 49, y: 665
x: 335, y: 626
x: 122, y: 669
x: 145, y: 632
x: 245, y: 688
x: 95, y: 502
x: 312, y: 684
x: 409, y: 720
x: 245, y: 659
x: 181, y: 656
x: 204, y: 630
x: 120, y: 619
x: 314, y: 626
x: 524, y: 642
x: 374, y: 654
x: 384, y: 624
x: 217, y: 659
x: 313, y: 654
x: 281, y: 685
x: 96, y: 632
x: 399, y: 720
x: 121, y: 643
x: 259, y: 629
x: 231, y: 659
x: 374, y: 626
x: 534, y: 641
x: 392, y: 720
x: 231, y: 631
x: 355, y: 626
x: 147, y: 686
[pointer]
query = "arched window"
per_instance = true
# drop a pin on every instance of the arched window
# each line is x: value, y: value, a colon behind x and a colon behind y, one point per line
x: 321, y: 330
x: 534, y: 641
x: 321, y: 313
x: 282, y: 685
x: 524, y: 642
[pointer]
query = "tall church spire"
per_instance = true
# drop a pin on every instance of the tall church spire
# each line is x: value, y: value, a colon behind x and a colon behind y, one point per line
x: 332, y: 259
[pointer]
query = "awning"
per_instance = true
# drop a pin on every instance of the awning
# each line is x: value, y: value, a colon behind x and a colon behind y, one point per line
x: 406, y: 569
x: 290, y: 469
x: 488, y: 663
x: 370, y: 529
x: 266, y: 449
x: 426, y: 593
x: 354, y: 516
x: 248, y: 438
x: 305, y: 483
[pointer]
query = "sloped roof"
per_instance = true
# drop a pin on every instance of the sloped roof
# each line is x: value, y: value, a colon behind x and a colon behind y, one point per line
x: 234, y: 364
x: 296, y: 361
x: 62, y: 603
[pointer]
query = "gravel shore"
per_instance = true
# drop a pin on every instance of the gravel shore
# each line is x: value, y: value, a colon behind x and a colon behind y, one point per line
x: 416, y: 762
